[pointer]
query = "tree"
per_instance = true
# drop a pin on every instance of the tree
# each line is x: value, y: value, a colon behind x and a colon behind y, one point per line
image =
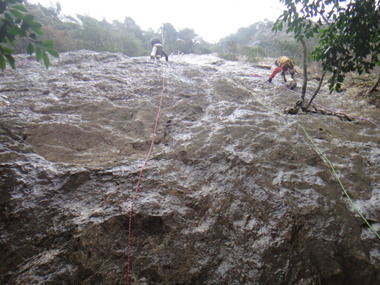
x: 349, y: 35
x: 260, y: 37
x: 84, y: 32
x: 351, y: 41
x: 252, y: 54
x: 15, y: 21
x: 203, y: 47
x: 55, y: 26
x: 169, y: 36
x: 232, y: 50
x: 131, y: 26
x: 189, y: 38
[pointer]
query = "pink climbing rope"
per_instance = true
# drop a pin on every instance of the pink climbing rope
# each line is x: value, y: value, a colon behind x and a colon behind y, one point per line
x: 137, y: 188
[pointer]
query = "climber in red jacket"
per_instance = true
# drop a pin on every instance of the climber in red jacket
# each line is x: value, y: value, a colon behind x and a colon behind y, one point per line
x: 285, y: 65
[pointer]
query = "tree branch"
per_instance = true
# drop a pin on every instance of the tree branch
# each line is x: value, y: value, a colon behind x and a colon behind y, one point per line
x: 304, y: 84
x: 316, y: 91
x: 324, y: 19
x: 373, y: 88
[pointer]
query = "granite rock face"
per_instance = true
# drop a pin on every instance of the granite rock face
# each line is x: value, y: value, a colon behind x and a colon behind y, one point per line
x: 234, y: 191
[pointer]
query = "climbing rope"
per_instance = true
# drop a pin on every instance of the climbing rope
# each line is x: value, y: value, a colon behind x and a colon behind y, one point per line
x: 319, y: 152
x: 149, y: 153
x: 142, y: 168
x: 332, y: 168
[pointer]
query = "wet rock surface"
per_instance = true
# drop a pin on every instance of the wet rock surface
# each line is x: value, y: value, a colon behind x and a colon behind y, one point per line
x: 234, y: 192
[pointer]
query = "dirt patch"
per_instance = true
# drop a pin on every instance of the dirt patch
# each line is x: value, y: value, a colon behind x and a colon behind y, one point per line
x: 359, y: 85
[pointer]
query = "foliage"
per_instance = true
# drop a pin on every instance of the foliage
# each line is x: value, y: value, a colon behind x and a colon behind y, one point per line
x: 113, y: 37
x: 203, y: 47
x: 169, y: 36
x: 349, y: 34
x: 85, y: 32
x: 183, y: 41
x: 261, y: 37
x: 229, y: 49
x: 351, y: 42
x: 252, y: 54
x: 188, y: 40
x: 61, y: 29
x: 16, y: 22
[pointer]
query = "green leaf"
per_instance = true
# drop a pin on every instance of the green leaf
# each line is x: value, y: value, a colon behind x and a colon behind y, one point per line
x: 30, y: 49
x: 16, y: 13
x: 20, y: 8
x: 11, y: 61
x: 9, y: 18
x: 15, y: 22
x: 49, y: 47
x: 46, y: 59
x: 3, y: 32
x: 38, y: 54
x: 29, y: 19
x: 48, y: 44
x: 2, y: 62
x: 36, y: 27
x: 53, y: 52
x: 7, y: 50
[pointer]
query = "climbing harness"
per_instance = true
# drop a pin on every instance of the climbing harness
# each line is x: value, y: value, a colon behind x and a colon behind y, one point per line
x: 320, y: 153
x: 142, y: 168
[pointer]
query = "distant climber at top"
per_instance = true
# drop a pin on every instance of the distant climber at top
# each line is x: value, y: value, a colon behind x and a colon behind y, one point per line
x: 158, y: 50
x: 284, y: 64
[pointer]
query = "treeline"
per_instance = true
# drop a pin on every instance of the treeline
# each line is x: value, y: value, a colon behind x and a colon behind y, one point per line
x: 84, y: 32
x: 258, y: 40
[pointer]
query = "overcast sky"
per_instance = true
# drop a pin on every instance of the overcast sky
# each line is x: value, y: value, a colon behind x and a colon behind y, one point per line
x: 211, y: 19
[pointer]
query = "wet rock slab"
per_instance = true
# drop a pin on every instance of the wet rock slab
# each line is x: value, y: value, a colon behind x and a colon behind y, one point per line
x: 234, y: 193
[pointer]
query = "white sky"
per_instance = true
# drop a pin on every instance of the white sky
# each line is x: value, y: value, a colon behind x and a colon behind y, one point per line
x: 210, y: 19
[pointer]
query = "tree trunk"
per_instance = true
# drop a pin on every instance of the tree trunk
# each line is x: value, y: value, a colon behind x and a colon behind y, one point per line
x: 373, y: 88
x: 304, y: 84
x: 316, y: 91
